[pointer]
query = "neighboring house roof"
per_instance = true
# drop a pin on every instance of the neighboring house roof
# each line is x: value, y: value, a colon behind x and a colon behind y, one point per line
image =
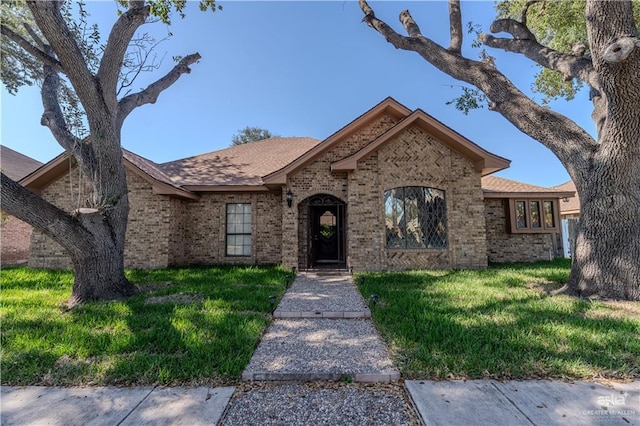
x: 569, y: 205
x: 497, y: 187
x: 241, y: 165
x: 16, y: 165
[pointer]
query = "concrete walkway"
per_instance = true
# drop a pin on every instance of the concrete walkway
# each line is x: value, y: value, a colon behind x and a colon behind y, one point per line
x: 322, y: 331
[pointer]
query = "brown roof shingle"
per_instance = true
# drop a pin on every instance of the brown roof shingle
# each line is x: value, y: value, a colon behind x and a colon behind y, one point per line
x: 238, y: 165
x: 16, y: 165
x: 501, y: 186
x: 572, y: 205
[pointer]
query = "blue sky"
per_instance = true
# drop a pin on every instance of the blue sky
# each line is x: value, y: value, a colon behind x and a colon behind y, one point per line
x: 299, y: 69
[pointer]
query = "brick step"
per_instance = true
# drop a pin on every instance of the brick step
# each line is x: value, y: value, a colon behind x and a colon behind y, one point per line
x: 320, y: 314
x: 371, y: 377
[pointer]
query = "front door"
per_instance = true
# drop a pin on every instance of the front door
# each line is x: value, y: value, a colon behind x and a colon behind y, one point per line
x: 326, y: 234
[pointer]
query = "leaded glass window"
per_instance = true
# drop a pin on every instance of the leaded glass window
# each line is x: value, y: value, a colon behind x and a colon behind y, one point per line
x: 415, y: 217
x: 534, y: 206
x: 239, y: 220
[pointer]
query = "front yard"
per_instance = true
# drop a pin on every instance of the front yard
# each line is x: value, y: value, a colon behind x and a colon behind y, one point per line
x: 192, y: 326
x: 501, y: 323
x: 200, y: 326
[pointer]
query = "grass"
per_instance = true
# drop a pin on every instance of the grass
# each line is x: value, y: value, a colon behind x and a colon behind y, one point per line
x: 195, y: 326
x: 501, y: 323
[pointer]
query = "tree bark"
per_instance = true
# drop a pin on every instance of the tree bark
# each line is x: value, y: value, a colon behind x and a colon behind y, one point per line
x: 607, y: 171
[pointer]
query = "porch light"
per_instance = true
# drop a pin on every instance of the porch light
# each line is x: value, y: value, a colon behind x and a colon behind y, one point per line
x: 289, y: 197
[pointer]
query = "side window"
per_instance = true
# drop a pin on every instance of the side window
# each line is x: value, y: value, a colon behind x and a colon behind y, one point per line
x: 533, y: 216
x: 239, y: 220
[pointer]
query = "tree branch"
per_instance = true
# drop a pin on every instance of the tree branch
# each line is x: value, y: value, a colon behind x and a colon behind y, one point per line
x: 53, y: 118
x: 47, y: 16
x: 117, y: 44
x: 455, y: 26
x: 43, y: 216
x: 564, y: 137
x: 525, y: 43
x: 31, y: 49
x: 151, y: 93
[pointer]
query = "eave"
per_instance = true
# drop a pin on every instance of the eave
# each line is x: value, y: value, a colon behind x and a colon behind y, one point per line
x: 227, y: 188
x: 500, y: 194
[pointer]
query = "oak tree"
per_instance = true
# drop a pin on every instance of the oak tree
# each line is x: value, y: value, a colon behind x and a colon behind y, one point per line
x: 49, y: 47
x: 605, y: 55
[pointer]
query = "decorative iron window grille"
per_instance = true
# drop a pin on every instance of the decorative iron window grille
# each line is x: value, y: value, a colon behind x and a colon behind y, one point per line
x: 415, y: 217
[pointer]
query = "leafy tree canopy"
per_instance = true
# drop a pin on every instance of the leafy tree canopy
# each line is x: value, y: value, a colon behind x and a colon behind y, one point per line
x: 251, y: 134
x: 559, y: 25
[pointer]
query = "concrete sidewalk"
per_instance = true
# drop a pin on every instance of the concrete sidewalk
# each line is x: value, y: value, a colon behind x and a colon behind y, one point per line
x: 39, y: 405
x: 530, y: 402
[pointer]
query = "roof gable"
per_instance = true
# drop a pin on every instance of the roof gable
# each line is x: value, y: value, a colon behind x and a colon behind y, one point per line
x: 485, y: 161
x: 148, y: 170
x: 387, y: 106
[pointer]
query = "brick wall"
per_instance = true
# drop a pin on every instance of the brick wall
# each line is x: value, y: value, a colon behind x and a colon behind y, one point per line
x: 15, y: 238
x: 505, y: 247
x: 317, y: 178
x: 206, y: 232
x: 413, y: 158
x: 148, y: 230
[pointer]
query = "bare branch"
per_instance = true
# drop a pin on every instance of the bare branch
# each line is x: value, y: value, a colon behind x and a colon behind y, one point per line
x: 143, y: 52
x: 42, y: 215
x: 530, y: 3
x: 151, y: 93
x: 54, y: 28
x: 564, y: 137
x: 455, y: 26
x: 525, y: 43
x: 117, y: 44
x: 409, y: 24
x: 31, y: 49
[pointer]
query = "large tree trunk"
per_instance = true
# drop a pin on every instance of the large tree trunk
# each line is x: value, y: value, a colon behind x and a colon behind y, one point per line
x: 607, y: 254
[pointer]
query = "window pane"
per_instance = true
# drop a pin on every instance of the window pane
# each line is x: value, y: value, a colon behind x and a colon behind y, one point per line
x: 434, y: 218
x: 521, y: 215
x: 394, y: 212
x: 549, y: 219
x: 534, y: 206
x: 413, y: 205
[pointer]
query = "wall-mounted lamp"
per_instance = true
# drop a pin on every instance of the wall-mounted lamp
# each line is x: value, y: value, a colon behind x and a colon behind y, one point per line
x: 289, y: 197
x: 565, y: 200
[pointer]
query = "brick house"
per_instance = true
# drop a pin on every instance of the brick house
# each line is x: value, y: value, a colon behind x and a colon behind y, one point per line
x: 15, y: 235
x: 393, y: 189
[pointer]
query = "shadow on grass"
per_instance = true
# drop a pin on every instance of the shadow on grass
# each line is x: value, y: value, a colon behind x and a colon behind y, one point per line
x: 479, y: 324
x: 207, y: 340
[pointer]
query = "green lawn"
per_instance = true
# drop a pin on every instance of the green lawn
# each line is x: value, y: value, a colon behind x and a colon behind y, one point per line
x: 500, y: 323
x: 190, y: 326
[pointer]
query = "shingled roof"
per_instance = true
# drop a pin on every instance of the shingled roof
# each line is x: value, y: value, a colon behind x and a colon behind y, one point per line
x: 16, y: 165
x: 572, y: 204
x: 497, y: 187
x: 241, y: 165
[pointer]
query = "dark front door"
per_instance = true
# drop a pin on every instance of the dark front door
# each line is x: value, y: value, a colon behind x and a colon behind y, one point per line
x: 327, y: 234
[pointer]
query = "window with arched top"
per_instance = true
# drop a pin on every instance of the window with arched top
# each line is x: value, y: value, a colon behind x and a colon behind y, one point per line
x: 415, y: 217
